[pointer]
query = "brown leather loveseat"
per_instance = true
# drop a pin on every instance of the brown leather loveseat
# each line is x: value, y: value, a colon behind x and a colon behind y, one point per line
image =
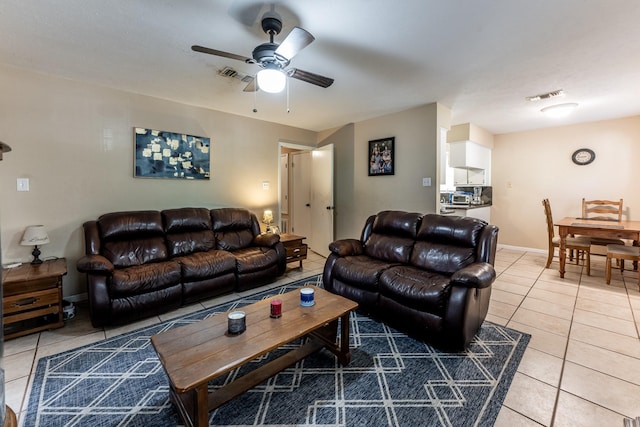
x: 142, y: 263
x: 427, y: 275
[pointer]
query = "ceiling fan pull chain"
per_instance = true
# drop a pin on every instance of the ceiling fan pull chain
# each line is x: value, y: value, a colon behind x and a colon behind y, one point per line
x: 287, y: 81
x: 255, y: 99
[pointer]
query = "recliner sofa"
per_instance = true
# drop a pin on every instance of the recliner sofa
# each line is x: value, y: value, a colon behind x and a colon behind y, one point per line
x: 427, y: 275
x: 142, y: 263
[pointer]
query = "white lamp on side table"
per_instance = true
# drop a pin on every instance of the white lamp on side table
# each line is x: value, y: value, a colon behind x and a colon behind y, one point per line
x: 35, y: 235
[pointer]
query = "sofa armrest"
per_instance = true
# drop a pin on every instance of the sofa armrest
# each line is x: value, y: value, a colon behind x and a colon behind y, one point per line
x: 478, y: 275
x: 268, y: 239
x: 346, y: 247
x: 96, y: 264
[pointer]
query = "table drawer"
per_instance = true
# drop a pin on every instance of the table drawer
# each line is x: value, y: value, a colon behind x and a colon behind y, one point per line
x: 296, y: 251
x: 30, y: 286
x: 32, y: 301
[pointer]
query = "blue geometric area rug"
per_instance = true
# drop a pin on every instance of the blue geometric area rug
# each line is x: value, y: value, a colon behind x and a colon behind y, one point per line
x: 392, y: 380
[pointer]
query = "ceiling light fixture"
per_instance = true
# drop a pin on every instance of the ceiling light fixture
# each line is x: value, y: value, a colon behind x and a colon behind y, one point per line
x: 560, y: 110
x: 271, y: 79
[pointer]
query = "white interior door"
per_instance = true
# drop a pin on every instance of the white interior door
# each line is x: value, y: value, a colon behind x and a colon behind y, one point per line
x: 322, y: 208
x: 300, y: 202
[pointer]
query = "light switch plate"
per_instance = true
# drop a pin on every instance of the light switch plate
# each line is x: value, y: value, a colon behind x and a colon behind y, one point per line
x: 22, y: 184
x: 426, y: 182
x: 265, y: 185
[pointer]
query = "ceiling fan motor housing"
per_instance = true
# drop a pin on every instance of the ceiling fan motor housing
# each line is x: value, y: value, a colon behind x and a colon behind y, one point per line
x: 266, y: 53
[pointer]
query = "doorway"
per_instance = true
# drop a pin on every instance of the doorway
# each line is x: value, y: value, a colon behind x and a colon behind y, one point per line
x: 306, y: 194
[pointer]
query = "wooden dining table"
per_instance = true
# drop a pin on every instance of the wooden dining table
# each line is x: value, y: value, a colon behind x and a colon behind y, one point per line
x: 593, y: 228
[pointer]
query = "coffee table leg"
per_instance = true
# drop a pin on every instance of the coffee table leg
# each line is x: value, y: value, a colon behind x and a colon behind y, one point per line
x: 201, y: 406
x: 344, y: 356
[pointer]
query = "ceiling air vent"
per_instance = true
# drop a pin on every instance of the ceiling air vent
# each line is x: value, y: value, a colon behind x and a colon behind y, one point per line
x: 233, y: 74
x: 547, y: 95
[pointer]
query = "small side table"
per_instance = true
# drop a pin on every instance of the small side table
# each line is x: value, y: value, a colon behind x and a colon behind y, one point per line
x: 32, y: 298
x: 296, y: 250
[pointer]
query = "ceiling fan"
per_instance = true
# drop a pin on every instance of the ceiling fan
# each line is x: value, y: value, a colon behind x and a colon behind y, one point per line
x: 274, y: 58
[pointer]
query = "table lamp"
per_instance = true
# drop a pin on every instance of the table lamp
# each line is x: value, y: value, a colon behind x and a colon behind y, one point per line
x: 35, y: 235
x: 267, y: 218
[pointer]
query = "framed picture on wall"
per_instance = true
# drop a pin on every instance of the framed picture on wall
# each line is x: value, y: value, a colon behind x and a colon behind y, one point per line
x: 381, y: 156
x: 161, y: 154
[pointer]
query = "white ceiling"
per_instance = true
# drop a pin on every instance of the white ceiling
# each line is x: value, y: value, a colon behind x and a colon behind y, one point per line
x: 478, y: 58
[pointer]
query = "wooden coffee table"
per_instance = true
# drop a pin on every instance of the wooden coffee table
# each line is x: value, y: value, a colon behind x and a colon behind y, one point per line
x: 195, y: 354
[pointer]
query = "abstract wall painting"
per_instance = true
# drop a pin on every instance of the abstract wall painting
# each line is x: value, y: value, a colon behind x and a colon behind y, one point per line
x: 161, y: 154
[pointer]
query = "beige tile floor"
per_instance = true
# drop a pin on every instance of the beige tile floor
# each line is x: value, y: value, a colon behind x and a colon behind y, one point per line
x: 582, y: 366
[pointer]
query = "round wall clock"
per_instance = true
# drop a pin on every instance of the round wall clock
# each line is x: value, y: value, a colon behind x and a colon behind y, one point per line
x: 583, y: 156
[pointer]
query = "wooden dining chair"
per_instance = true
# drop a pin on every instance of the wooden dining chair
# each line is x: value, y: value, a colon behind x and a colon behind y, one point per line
x: 582, y: 245
x: 603, y: 210
x: 621, y: 253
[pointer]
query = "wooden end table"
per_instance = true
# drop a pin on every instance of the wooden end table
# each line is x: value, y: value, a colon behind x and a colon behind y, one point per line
x: 32, y: 297
x: 195, y: 354
x: 296, y: 250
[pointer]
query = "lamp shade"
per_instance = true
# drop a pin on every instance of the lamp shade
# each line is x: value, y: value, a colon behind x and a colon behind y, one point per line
x: 34, y: 235
x: 271, y: 80
x: 267, y: 217
x: 4, y: 148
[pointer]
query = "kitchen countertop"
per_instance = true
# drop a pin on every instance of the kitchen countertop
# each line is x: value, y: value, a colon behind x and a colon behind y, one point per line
x: 448, y: 206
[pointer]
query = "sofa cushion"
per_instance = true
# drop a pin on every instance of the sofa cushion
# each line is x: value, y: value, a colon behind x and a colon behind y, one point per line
x: 234, y: 228
x: 419, y: 289
x: 144, y: 278
x: 256, y: 258
x: 188, y: 230
x: 186, y: 219
x: 132, y: 238
x: 392, y: 236
x: 360, y: 271
x: 127, y: 225
x: 128, y: 253
x: 445, y: 244
x: 204, y: 265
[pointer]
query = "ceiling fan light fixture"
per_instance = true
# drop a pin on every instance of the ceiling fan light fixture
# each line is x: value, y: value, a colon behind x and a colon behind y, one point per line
x: 559, y: 110
x: 271, y: 79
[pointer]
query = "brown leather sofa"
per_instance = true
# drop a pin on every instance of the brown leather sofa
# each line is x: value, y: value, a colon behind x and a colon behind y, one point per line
x: 427, y: 275
x: 142, y: 263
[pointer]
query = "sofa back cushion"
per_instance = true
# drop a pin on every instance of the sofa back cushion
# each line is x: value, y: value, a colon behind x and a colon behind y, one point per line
x: 188, y: 230
x: 392, y: 236
x: 445, y: 244
x: 132, y: 238
x: 234, y: 228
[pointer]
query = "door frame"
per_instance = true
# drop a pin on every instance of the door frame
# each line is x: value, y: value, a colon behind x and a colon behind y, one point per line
x: 281, y: 145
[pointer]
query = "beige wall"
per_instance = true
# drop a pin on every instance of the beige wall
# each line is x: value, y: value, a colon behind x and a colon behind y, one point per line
x: 470, y: 132
x: 530, y: 166
x: 75, y: 144
x: 417, y: 134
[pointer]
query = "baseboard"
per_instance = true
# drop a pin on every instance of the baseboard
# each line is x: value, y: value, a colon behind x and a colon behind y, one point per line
x: 77, y: 297
x: 522, y: 248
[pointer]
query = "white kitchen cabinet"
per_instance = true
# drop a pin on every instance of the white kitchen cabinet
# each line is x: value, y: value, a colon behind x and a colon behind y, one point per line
x: 483, y: 213
x: 469, y: 177
x: 468, y: 154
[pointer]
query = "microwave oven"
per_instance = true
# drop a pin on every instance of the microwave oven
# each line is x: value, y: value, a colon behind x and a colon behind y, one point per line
x: 460, y: 199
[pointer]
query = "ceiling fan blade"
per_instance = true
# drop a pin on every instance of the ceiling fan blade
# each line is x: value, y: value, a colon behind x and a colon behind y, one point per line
x: 308, y: 77
x: 210, y: 51
x: 251, y: 86
x: 297, y: 40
